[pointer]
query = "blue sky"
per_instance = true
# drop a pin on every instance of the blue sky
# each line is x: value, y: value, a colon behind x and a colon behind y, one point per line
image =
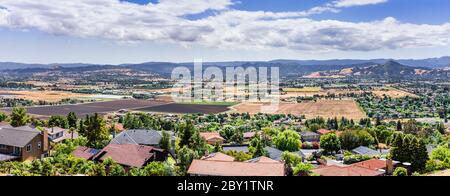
x: 113, y: 32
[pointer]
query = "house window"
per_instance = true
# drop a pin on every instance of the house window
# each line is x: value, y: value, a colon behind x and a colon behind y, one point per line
x: 39, y: 145
x: 28, y: 147
x: 3, y: 147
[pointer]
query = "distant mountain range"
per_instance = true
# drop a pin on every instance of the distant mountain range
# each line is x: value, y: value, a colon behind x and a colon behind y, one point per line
x: 295, y: 68
x: 389, y: 70
x: 429, y: 63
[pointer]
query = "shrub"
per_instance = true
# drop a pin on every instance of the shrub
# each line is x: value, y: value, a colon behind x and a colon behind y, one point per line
x: 356, y: 158
x: 400, y: 171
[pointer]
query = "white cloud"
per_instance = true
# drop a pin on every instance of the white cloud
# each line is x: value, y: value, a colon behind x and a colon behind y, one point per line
x: 164, y: 22
x: 350, y: 3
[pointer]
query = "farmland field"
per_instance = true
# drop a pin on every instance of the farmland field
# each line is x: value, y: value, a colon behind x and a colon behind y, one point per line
x: 323, y: 108
x: 304, y: 89
x: 393, y: 93
x: 178, y: 108
x: 48, y: 96
x: 90, y: 108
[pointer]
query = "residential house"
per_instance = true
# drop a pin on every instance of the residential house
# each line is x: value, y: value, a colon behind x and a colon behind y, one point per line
x: 131, y: 155
x: 141, y: 137
x: 373, y: 167
x: 57, y: 135
x: 308, y: 136
x: 334, y: 170
x: 22, y: 143
x: 212, y: 138
x: 362, y: 150
x: 221, y: 165
x: 383, y: 165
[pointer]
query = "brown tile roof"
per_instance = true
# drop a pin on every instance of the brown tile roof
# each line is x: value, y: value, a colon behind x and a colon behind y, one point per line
x: 352, y: 170
x: 130, y: 155
x: 263, y: 160
x: 211, y: 136
x: 85, y: 152
x: 218, y: 157
x: 221, y: 168
x: 249, y: 135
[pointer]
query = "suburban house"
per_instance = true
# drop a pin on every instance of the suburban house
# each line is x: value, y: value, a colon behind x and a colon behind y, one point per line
x: 212, y: 138
x: 308, y: 136
x: 373, y: 167
x: 22, y: 143
x: 141, y: 137
x: 223, y: 165
x: 57, y: 135
x: 131, y: 155
x: 362, y: 150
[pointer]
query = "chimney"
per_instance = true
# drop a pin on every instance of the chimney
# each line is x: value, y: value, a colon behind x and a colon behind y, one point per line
x: 389, y: 167
x: 45, y: 144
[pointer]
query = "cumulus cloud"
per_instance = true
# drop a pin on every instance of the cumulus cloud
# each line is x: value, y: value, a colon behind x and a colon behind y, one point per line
x: 165, y: 22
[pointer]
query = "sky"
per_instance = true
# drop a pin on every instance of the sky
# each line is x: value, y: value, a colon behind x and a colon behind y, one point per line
x: 136, y: 31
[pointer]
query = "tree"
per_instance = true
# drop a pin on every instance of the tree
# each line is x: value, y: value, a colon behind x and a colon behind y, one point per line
x: 3, y: 116
x: 165, y: 142
x: 218, y: 147
x: 441, y: 128
x: 72, y: 120
x: 58, y: 121
x: 185, y: 158
x: 19, y: 117
x: 291, y: 159
x: 185, y: 131
x: 353, y: 139
x: 238, y: 137
x: 330, y: 143
x: 96, y: 131
x: 116, y: 170
x: 400, y: 171
x: 409, y: 148
x: 227, y: 132
x: 399, y: 126
x: 288, y: 141
x: 303, y: 169
x: 257, y: 147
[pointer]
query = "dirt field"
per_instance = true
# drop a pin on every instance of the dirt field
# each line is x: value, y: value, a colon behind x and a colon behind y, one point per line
x: 323, y: 108
x: 393, y: 93
x: 187, y: 108
x: 49, y: 96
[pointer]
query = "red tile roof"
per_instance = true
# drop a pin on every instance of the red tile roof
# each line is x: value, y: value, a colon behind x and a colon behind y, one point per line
x: 323, y: 131
x: 374, y: 164
x: 221, y: 168
x: 130, y: 155
x: 352, y: 170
